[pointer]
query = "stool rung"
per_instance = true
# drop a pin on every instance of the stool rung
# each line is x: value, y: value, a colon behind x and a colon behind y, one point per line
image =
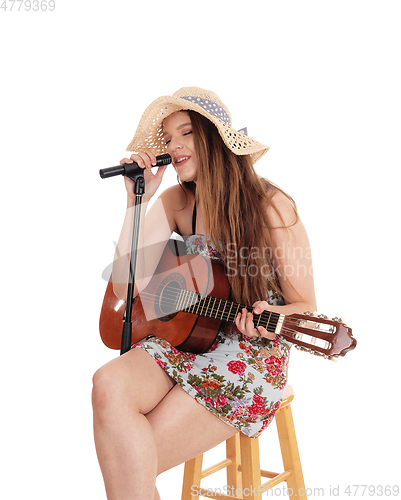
x: 216, y: 468
x: 204, y: 492
x: 266, y: 473
x: 263, y: 473
x: 278, y: 478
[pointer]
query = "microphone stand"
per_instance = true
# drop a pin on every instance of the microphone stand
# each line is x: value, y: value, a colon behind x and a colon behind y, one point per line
x: 139, y: 191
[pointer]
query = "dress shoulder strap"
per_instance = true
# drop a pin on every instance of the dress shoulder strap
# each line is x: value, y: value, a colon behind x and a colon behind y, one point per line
x: 194, y: 220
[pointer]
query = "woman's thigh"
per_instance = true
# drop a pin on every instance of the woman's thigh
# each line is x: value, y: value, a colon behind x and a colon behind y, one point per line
x: 184, y: 429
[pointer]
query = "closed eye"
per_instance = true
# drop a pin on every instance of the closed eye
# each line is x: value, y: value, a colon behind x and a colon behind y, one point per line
x: 186, y: 133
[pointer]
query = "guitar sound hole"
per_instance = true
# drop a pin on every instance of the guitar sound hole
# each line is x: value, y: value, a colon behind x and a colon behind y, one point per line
x: 168, y: 297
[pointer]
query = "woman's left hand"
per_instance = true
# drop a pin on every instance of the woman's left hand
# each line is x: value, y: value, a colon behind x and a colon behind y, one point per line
x: 244, y: 322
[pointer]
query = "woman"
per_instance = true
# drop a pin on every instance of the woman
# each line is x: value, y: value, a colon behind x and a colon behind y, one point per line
x: 155, y: 407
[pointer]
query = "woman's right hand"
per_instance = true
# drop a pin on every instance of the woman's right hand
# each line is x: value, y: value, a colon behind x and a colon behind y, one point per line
x: 145, y: 160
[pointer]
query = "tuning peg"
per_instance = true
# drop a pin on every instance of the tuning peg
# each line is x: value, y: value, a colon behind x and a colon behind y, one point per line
x: 316, y: 353
x: 339, y: 320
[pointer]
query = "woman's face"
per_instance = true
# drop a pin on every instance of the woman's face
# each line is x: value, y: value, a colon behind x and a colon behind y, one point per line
x: 177, y: 133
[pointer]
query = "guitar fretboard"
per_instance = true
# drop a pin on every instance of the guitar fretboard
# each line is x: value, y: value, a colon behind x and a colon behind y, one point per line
x: 225, y: 310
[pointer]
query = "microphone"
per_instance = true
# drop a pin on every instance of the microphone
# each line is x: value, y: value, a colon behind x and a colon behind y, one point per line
x: 132, y: 169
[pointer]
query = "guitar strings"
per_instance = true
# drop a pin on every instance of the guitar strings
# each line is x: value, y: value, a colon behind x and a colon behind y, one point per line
x: 172, y: 301
x: 228, y: 316
x: 149, y: 298
x: 200, y: 306
x: 196, y: 304
x: 285, y: 330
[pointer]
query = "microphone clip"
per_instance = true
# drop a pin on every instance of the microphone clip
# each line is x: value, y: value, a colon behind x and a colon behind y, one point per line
x: 139, y: 179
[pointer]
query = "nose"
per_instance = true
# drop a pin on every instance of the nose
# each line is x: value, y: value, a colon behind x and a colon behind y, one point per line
x: 174, y: 144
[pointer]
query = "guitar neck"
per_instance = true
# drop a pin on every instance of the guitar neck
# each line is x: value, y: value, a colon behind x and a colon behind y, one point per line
x: 225, y: 310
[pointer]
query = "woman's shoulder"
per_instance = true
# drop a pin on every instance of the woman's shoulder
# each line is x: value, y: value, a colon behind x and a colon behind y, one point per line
x: 178, y: 205
x: 281, y: 209
x: 175, y: 196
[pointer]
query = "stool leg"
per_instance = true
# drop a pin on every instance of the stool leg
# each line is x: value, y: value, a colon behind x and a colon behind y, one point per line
x: 192, y: 477
x: 233, y: 452
x: 290, y: 452
x: 250, y: 468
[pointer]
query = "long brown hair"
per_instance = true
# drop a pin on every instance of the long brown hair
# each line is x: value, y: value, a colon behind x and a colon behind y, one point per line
x: 234, y: 199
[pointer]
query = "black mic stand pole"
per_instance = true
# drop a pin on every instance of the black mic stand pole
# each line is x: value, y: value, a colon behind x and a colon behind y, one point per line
x: 139, y: 191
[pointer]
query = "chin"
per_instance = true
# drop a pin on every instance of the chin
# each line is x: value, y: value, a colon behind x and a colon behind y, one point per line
x: 187, y: 178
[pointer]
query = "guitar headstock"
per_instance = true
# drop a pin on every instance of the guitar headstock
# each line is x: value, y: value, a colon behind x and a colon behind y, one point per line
x: 318, y: 334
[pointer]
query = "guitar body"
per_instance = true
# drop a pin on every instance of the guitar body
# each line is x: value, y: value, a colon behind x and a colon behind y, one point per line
x: 155, y: 310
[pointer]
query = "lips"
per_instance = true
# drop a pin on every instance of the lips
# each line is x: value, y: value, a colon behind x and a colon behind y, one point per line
x: 180, y: 160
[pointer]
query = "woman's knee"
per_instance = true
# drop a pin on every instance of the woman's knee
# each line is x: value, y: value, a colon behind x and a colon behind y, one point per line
x: 104, y: 390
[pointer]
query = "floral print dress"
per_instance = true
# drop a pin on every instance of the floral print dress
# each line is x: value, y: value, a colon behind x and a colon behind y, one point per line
x: 239, y: 379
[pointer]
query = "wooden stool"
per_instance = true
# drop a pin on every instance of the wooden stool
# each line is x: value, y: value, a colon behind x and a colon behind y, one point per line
x: 243, y: 464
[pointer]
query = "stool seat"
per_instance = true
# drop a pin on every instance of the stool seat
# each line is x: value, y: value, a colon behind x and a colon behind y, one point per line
x: 244, y: 475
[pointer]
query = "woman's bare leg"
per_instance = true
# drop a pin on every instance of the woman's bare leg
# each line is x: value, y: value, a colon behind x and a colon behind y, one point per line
x: 144, y: 425
x: 124, y: 390
x: 183, y: 429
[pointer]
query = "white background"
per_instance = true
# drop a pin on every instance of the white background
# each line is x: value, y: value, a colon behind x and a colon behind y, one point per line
x: 319, y: 82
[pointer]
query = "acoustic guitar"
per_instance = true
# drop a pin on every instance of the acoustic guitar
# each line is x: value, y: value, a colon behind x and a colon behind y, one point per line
x: 187, y: 300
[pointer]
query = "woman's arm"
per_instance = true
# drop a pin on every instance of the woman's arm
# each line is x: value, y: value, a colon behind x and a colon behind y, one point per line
x: 292, y: 261
x: 154, y: 230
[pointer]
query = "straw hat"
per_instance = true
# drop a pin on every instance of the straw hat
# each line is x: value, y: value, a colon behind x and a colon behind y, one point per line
x: 148, y: 135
